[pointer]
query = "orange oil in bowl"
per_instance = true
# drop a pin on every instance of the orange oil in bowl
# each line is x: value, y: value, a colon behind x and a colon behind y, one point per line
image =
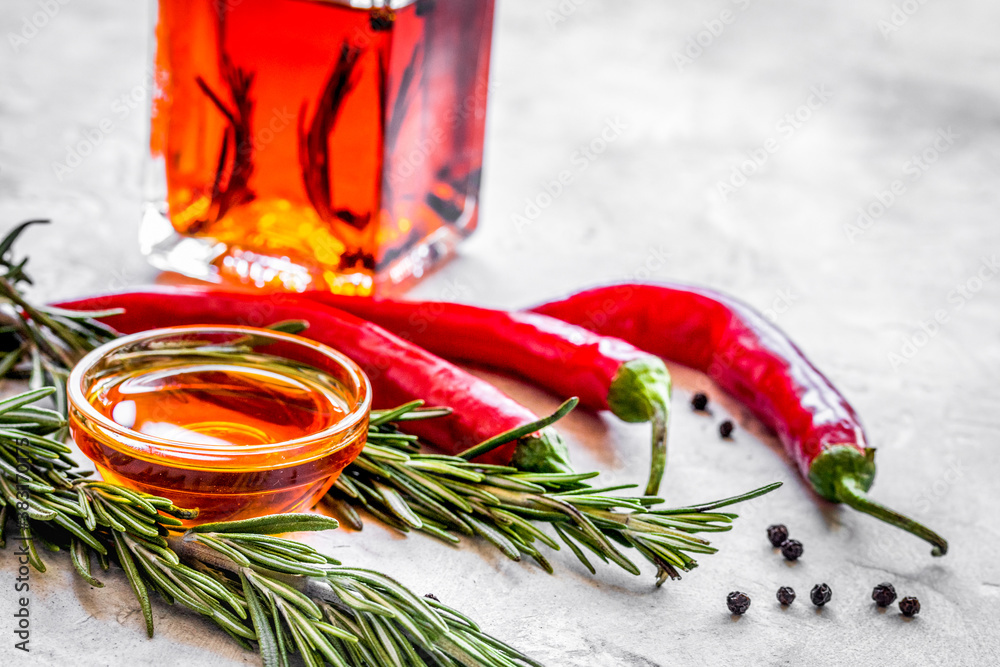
x: 234, y: 421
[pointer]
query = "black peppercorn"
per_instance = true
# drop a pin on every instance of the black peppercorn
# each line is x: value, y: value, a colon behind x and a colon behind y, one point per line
x: 820, y: 595
x: 786, y: 595
x: 791, y: 549
x: 432, y: 597
x: 699, y: 401
x: 726, y: 429
x: 738, y: 602
x: 884, y: 594
x: 777, y: 533
x: 908, y: 607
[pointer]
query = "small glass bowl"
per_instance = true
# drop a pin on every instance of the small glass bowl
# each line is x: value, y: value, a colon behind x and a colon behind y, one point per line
x: 205, y: 469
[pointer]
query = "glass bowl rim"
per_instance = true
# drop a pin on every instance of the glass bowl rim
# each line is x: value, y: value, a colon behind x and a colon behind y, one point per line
x: 166, y: 446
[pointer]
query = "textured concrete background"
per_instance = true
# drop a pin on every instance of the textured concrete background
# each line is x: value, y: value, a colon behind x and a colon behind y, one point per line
x: 888, y: 79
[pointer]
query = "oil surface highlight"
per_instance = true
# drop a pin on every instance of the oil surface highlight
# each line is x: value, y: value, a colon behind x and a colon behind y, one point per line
x: 215, y: 404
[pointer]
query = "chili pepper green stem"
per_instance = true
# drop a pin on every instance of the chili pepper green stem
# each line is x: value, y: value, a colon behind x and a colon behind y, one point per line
x: 640, y: 392
x: 844, y: 475
x: 539, y: 449
x: 851, y: 493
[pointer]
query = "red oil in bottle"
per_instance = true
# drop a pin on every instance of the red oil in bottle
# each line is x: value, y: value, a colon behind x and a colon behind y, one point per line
x: 308, y: 144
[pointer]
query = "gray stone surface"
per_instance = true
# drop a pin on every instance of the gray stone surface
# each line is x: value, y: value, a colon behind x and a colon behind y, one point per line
x: 649, y: 205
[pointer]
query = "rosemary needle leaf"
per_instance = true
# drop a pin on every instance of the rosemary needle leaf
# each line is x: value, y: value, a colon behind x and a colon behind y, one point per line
x: 419, y: 605
x: 300, y: 641
x: 79, y: 532
x: 498, y: 539
x: 82, y: 315
x: 39, y: 514
x: 135, y: 522
x: 181, y: 513
x: 398, y: 506
x: 269, y: 650
x: 127, y: 494
x: 37, y: 378
x: 334, y: 631
x: 12, y: 473
x: 287, y: 592
x: 167, y: 520
x: 223, y: 548
x: 105, y: 519
x: 500, y: 646
x: 315, y: 639
x: 526, y: 527
x: 14, y: 233
x: 278, y: 563
x: 385, y: 651
x: 388, y: 638
x: 159, y: 549
x: 270, y: 525
x: 236, y: 638
x: 347, y: 514
x: 27, y: 397
x: 283, y: 546
x: 521, y: 431
x: 379, y: 417
x: 345, y: 591
x: 210, y: 586
x: 279, y: 632
x: 289, y: 326
x: 170, y: 584
x: 732, y: 500
x: 81, y: 561
x: 135, y: 580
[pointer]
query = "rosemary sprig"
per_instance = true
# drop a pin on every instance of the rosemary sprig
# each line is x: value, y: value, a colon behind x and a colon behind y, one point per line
x: 41, y: 343
x: 235, y: 165
x: 448, y: 496
x: 444, y: 496
x: 315, y: 160
x: 278, y: 593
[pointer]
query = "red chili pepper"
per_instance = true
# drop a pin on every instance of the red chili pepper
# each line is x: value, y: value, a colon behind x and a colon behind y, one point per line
x: 399, y: 371
x: 755, y: 361
x: 606, y: 373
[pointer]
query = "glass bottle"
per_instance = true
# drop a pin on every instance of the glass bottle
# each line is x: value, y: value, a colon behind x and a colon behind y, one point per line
x: 315, y: 144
